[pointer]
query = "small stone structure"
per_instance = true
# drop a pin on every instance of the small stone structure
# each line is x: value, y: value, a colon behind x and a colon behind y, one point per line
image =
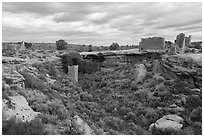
x: 152, y: 43
x: 172, y: 50
x: 73, y: 72
x: 182, y: 41
x: 188, y: 40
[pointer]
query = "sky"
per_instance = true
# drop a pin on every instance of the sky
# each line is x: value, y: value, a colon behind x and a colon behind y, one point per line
x: 99, y: 23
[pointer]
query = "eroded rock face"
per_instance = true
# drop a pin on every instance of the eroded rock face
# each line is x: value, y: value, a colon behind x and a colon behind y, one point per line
x: 189, y: 61
x: 17, y: 107
x: 83, y: 126
x: 168, y: 123
x: 186, y: 65
x: 140, y: 72
x: 5, y: 86
x: 12, y: 77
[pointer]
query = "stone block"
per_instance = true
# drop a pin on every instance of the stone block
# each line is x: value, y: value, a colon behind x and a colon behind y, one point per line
x: 73, y: 72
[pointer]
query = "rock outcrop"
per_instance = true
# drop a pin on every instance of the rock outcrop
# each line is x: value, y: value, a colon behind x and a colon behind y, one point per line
x: 12, y: 77
x: 83, y: 126
x: 17, y: 107
x: 189, y: 65
x: 168, y: 123
x: 140, y: 72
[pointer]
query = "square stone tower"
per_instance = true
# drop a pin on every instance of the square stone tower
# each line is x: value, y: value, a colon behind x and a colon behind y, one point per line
x: 180, y: 40
x: 73, y: 72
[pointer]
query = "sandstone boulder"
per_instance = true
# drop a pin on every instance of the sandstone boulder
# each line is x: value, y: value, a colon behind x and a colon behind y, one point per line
x: 168, y: 123
x: 140, y: 72
x: 17, y: 107
x: 83, y: 126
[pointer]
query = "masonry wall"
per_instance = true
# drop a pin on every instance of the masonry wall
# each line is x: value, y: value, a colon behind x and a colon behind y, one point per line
x: 188, y: 40
x: 155, y: 43
x: 73, y: 72
x: 180, y: 39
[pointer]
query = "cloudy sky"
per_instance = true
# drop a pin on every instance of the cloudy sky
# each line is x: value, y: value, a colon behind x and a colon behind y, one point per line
x: 99, y: 23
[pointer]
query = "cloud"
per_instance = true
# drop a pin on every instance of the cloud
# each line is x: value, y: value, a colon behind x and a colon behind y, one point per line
x: 98, y: 16
x: 193, y: 27
x: 65, y: 17
x: 99, y: 23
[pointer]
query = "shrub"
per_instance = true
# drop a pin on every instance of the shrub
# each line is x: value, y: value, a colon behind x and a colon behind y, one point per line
x: 114, y: 46
x: 122, y: 111
x: 28, y: 45
x: 90, y: 48
x: 195, y: 129
x: 42, y: 77
x: 193, y: 101
x: 46, y: 68
x: 84, y: 96
x: 179, y: 86
x: 74, y: 58
x: 33, y: 82
x: 186, y: 131
x: 46, y: 118
x: 110, y: 63
x: 8, y: 81
x: 71, y: 58
x: 114, y: 123
x: 196, y: 114
x: 137, y: 130
x: 35, y: 98
x: 89, y: 67
x: 61, y: 44
x: 72, y: 130
x: 57, y: 108
x: 11, y: 127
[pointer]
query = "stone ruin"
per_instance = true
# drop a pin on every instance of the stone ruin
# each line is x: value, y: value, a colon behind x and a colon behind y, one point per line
x: 152, y: 43
x: 188, y: 40
x: 73, y: 72
x: 180, y: 40
x: 174, y: 49
x: 183, y: 41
